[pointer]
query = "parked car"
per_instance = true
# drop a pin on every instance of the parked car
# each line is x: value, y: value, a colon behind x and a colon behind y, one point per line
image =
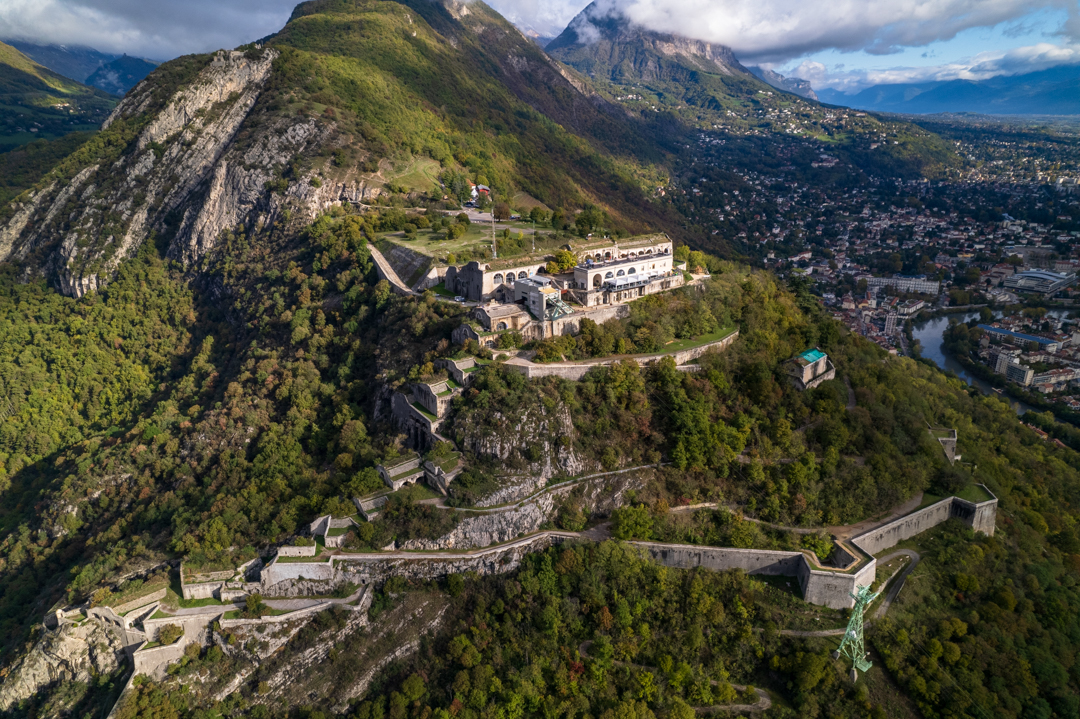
x: 459, y: 298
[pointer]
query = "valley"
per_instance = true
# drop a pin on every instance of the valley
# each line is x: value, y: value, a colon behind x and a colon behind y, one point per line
x: 392, y: 365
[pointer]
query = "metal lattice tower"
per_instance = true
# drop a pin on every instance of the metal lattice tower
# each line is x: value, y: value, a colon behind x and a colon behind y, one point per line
x: 852, y: 646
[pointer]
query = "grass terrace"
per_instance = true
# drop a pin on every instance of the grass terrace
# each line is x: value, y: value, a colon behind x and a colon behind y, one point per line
x: 680, y: 345
x: 419, y: 408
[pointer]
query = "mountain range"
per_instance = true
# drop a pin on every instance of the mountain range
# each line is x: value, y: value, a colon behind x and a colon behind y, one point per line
x: 1048, y: 92
x: 115, y: 74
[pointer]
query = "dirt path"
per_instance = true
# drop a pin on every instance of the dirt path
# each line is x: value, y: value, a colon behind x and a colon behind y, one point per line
x: 850, y: 394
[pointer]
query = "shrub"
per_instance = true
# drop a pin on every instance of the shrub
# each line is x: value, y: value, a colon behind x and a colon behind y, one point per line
x: 170, y: 633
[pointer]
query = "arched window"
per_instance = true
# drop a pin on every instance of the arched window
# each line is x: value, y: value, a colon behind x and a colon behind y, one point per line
x: 667, y: 250
x: 648, y: 251
x: 509, y: 278
x: 621, y: 274
x: 633, y: 254
x: 541, y: 268
x: 498, y: 279
x: 608, y: 276
x: 607, y: 255
x: 501, y: 326
x: 596, y: 281
x: 631, y: 271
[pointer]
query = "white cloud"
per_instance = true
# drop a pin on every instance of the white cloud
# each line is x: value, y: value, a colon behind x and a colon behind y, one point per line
x: 779, y: 30
x: 157, y: 29
x: 1017, y: 61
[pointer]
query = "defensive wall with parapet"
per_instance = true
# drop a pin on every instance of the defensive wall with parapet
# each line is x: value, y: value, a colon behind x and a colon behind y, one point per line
x: 857, y: 567
x: 575, y: 372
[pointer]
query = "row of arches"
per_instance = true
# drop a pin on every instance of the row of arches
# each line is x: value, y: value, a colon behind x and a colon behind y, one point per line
x: 598, y: 280
x: 511, y: 277
x: 607, y: 256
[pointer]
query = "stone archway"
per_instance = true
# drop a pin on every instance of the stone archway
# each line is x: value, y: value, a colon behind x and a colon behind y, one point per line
x: 596, y: 281
x: 501, y: 326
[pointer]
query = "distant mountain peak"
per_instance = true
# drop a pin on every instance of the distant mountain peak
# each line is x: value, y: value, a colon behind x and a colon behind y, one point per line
x: 794, y: 85
x: 609, y: 35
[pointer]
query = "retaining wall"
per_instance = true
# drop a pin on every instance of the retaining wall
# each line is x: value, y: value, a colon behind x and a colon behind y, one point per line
x: 575, y: 372
x: 825, y: 588
x: 152, y: 662
x: 979, y: 516
x: 297, y: 551
x: 299, y: 613
x: 140, y: 601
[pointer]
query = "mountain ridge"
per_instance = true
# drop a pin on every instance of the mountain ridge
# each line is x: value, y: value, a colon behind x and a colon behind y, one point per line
x: 1055, y: 91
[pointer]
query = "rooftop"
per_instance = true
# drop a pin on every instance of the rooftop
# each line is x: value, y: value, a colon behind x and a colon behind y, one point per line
x: 811, y: 356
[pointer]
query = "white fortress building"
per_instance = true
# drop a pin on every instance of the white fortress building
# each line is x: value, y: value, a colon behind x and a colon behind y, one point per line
x: 518, y: 298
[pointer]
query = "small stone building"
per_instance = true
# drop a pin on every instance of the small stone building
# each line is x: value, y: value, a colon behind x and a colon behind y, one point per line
x: 810, y: 369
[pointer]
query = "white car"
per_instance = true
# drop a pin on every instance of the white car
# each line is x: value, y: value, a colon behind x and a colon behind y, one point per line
x: 459, y: 298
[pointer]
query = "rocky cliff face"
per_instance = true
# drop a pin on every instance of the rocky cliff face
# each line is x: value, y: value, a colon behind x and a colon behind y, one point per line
x: 180, y: 173
x: 794, y: 85
x: 602, y: 41
x: 71, y: 653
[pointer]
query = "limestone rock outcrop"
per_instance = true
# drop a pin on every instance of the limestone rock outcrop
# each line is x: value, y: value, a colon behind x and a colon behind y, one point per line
x: 176, y: 165
x: 71, y: 652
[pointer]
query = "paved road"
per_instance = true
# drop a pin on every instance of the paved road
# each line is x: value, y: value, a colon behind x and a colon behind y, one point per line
x: 898, y: 583
x: 286, y: 604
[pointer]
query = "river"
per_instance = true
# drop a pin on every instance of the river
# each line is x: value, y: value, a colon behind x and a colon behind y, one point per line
x: 930, y: 334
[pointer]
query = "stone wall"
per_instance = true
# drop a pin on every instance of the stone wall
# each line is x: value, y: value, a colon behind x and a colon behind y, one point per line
x: 203, y: 590
x: 140, y: 601
x: 290, y: 551
x: 981, y: 517
x: 825, y: 588
x: 305, y: 579
x: 575, y: 372
x: 152, y: 662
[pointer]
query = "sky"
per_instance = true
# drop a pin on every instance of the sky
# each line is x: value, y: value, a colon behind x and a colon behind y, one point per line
x: 841, y: 44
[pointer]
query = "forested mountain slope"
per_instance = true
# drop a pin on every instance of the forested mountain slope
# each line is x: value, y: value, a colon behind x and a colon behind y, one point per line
x: 40, y: 104
x: 224, y: 373
x: 333, y: 106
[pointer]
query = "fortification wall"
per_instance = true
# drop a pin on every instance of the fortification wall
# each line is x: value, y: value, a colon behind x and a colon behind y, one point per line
x: 204, y: 590
x: 291, y: 616
x: 301, y: 579
x: 152, y: 662
x: 891, y: 534
x: 140, y: 601
x: 290, y: 551
x: 575, y: 372
x: 825, y: 588
x: 284, y: 571
x: 834, y: 589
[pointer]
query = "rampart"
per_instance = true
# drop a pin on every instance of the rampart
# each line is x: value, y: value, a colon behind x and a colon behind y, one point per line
x: 140, y: 601
x: 575, y: 372
x: 291, y: 551
x: 980, y: 516
x: 826, y: 588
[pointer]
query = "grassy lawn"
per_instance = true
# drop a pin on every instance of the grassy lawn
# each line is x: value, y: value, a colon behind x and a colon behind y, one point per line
x: 424, y: 412
x: 317, y: 559
x: 420, y: 174
x: 441, y: 291
x: 337, y: 531
x: 680, y: 345
x: 974, y: 493
x: 941, y: 433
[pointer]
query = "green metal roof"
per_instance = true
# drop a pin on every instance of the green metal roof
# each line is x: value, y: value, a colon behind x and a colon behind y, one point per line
x: 811, y: 356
